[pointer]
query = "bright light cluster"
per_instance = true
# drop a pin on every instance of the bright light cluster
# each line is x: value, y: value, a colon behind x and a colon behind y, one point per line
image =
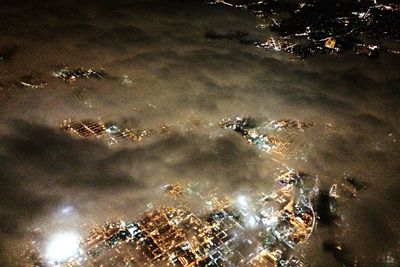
x: 62, y: 246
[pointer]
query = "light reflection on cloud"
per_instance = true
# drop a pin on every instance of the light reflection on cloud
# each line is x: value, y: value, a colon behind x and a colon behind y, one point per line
x: 62, y: 246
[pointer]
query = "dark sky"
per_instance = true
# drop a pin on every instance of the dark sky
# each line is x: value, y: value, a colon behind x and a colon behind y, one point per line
x: 180, y: 77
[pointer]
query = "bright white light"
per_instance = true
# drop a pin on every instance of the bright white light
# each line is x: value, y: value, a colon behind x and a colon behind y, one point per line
x: 270, y: 222
x: 242, y: 201
x: 67, y: 209
x: 62, y: 246
x: 251, y: 221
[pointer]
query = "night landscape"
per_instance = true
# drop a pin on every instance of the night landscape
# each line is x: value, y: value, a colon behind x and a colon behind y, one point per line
x: 200, y: 133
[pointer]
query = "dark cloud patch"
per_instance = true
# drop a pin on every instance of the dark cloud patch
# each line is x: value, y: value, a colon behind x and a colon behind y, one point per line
x: 239, y: 36
x: 7, y: 51
x: 339, y: 252
x: 42, y: 152
x: 381, y: 235
x: 119, y: 38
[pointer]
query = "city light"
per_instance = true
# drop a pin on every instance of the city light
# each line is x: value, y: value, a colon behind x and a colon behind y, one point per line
x: 62, y: 246
x: 242, y: 201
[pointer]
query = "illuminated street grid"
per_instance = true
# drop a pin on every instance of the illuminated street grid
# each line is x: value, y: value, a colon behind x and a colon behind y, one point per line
x: 256, y: 230
x: 105, y: 131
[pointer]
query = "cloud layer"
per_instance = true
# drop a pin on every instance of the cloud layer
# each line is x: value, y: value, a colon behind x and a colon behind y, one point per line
x: 179, y: 76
